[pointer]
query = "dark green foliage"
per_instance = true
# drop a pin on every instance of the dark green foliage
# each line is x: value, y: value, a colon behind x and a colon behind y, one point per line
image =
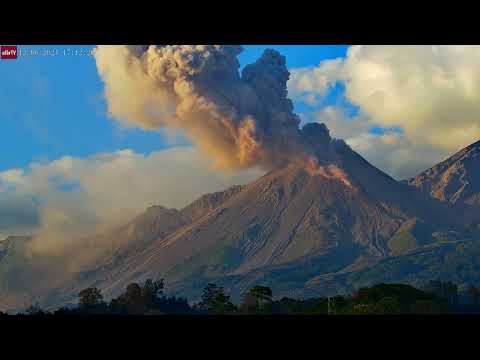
x: 404, y: 293
x: 262, y: 299
x: 148, y: 299
x: 130, y: 302
x: 453, y: 260
x: 390, y: 299
x: 91, y: 301
x: 381, y: 299
x: 261, y: 293
x: 214, y: 300
x: 90, y: 297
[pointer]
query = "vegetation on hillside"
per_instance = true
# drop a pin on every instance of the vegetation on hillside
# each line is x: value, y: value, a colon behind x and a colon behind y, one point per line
x: 437, y: 297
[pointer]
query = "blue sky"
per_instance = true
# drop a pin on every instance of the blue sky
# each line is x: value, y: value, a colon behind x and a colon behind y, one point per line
x: 416, y: 105
x: 53, y: 106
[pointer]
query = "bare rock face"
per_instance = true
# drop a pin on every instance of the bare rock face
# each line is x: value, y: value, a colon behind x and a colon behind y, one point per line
x: 455, y: 180
x: 329, y: 212
x: 293, y: 228
x: 208, y: 202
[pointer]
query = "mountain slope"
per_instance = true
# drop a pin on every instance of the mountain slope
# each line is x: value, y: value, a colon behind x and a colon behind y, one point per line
x: 334, y: 220
x: 451, y: 259
x: 455, y: 180
x: 155, y: 223
x: 25, y: 279
x: 327, y: 216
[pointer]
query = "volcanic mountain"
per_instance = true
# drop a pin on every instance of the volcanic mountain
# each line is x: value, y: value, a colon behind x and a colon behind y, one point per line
x: 456, y: 180
x: 318, y: 225
x: 296, y: 222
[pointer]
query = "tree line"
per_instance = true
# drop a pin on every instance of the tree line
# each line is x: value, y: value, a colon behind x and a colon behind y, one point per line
x: 436, y: 297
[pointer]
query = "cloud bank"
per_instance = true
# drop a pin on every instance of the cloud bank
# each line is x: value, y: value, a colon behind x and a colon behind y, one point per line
x: 69, y: 198
x: 66, y: 202
x: 431, y: 92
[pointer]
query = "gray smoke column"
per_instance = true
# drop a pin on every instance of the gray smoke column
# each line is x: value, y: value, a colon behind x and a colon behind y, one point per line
x: 239, y: 121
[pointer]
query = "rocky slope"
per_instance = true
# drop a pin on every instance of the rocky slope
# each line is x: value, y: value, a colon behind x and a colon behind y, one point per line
x: 304, y: 229
x: 26, y: 279
x: 296, y: 218
x: 456, y: 180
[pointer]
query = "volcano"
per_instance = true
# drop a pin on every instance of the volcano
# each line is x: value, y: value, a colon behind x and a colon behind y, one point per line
x: 321, y: 224
x: 296, y: 222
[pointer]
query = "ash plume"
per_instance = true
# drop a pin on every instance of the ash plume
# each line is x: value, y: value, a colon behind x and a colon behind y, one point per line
x: 238, y: 120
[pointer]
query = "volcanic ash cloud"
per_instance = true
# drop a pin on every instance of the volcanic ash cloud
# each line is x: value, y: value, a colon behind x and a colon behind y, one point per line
x: 239, y: 121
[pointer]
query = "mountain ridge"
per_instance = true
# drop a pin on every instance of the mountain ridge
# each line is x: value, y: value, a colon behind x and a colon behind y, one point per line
x: 294, y: 228
x: 346, y: 210
x: 454, y: 180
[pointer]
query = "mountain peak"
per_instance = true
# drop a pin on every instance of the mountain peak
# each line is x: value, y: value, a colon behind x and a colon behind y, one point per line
x: 328, y: 211
x: 454, y: 180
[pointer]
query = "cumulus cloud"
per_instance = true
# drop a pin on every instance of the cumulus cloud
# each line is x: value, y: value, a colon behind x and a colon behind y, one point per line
x: 389, y: 150
x: 396, y: 154
x: 431, y: 92
x: 67, y: 199
x: 340, y: 124
x: 237, y: 120
x: 311, y: 84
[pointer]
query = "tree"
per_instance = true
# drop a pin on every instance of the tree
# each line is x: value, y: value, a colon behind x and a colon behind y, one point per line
x: 262, y: 296
x: 215, y: 301
x: 262, y: 293
x: 90, y: 297
x: 151, y: 290
x: 139, y: 299
x: 34, y: 309
x: 133, y: 293
x: 132, y: 299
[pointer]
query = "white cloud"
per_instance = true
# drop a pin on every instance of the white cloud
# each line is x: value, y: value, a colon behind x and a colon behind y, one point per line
x: 78, y: 196
x: 395, y: 153
x: 391, y: 151
x: 431, y: 92
x: 64, y: 201
x: 340, y: 124
x: 308, y: 84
